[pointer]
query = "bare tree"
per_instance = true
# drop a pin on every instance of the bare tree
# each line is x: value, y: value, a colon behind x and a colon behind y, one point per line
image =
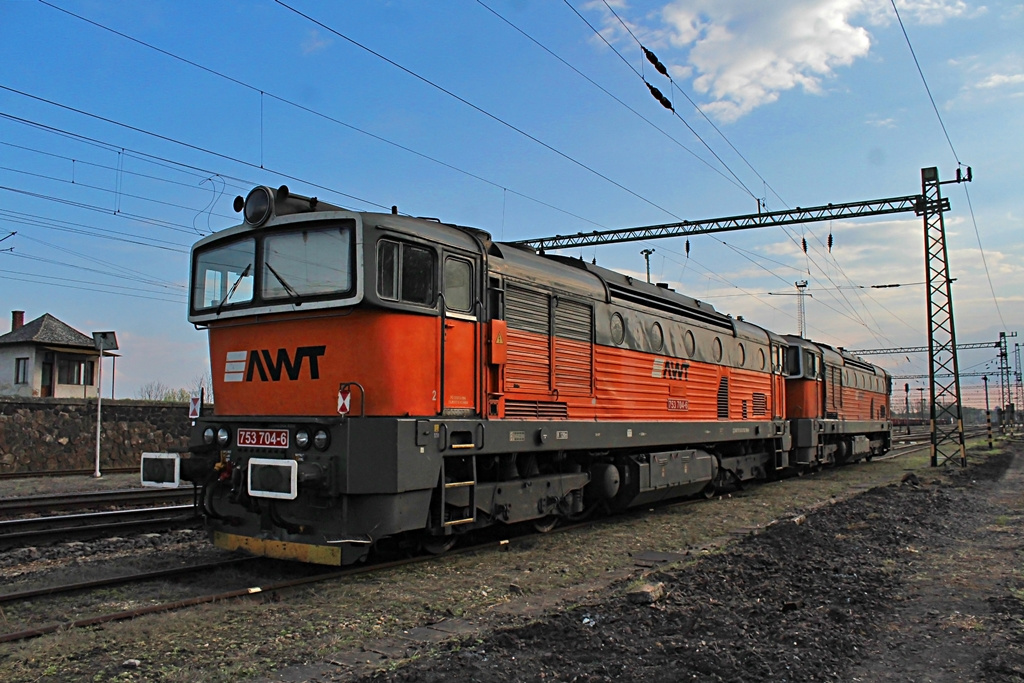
x: 158, y: 391
x: 203, y: 382
x: 152, y: 391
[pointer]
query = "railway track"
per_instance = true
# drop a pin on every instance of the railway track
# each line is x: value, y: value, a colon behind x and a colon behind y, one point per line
x: 44, y: 530
x: 66, y: 473
x: 85, y: 500
x: 108, y: 582
x: 273, y: 586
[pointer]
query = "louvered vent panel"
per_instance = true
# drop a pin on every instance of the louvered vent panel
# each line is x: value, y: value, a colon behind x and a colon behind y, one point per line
x: 535, y: 409
x: 759, y: 403
x: 527, y: 310
x: 529, y: 348
x: 723, y: 398
x: 574, y: 332
x: 573, y: 321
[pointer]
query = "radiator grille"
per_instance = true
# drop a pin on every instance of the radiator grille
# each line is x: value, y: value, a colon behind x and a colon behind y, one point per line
x: 543, y: 409
x: 759, y: 403
x: 574, y: 330
x: 723, y: 398
x: 529, y: 347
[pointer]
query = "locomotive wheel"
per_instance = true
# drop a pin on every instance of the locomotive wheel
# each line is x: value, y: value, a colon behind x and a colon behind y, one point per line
x: 437, y: 545
x: 710, y: 490
x: 545, y: 524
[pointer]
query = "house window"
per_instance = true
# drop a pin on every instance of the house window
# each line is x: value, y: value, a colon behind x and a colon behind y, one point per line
x: 71, y: 371
x: 21, y: 370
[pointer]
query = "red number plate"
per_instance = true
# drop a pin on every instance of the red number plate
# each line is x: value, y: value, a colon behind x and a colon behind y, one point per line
x: 263, y: 438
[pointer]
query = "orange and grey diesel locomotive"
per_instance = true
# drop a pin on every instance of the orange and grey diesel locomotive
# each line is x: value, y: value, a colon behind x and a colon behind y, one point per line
x: 378, y: 376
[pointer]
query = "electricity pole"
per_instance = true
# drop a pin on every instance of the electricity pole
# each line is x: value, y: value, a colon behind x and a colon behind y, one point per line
x: 988, y: 412
x: 647, y: 257
x: 801, y: 313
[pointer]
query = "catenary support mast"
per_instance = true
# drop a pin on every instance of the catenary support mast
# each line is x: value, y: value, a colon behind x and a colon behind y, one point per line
x: 946, y: 412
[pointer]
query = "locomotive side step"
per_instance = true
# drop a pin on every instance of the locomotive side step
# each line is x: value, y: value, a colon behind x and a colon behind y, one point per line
x: 458, y: 490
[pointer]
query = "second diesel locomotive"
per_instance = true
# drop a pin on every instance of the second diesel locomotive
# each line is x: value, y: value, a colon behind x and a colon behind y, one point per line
x: 384, y: 377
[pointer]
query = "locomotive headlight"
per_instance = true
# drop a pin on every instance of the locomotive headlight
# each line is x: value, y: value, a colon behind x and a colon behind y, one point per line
x: 302, y: 439
x: 208, y: 436
x: 223, y: 436
x: 258, y: 205
x: 321, y: 440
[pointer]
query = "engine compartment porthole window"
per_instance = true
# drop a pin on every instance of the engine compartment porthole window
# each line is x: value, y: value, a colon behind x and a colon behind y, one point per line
x: 761, y: 358
x: 716, y: 349
x: 689, y: 343
x: 618, y: 329
x: 657, y: 337
x: 741, y: 354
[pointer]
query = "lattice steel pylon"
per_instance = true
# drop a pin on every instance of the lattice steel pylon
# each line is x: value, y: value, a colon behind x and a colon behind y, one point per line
x: 947, y: 422
x: 1006, y: 402
x: 1018, y: 384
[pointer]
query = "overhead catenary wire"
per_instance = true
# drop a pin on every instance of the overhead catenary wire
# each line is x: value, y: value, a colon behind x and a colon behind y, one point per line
x: 674, y: 112
x: 264, y: 93
x: 61, y: 282
x: 75, y: 203
x: 136, y: 174
x: 475, y: 107
x: 609, y: 94
x: 117, y: 191
x: 187, y: 145
x: 851, y: 308
x: 650, y: 57
x: 945, y: 132
x: 124, y: 272
x: 60, y: 225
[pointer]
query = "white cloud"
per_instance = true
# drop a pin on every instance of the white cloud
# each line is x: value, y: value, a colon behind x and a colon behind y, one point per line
x: 314, y: 42
x: 882, y: 123
x: 933, y: 11
x: 999, y: 80
x: 745, y: 54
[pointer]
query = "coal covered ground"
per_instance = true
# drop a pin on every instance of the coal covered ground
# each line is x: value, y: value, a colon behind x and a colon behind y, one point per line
x: 912, y: 582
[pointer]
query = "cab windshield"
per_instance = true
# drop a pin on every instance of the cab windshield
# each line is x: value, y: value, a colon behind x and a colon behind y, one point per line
x: 307, y: 263
x: 274, y: 268
x: 224, y: 275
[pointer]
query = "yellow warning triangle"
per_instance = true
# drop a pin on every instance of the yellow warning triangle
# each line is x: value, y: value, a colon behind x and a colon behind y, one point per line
x: 499, y: 340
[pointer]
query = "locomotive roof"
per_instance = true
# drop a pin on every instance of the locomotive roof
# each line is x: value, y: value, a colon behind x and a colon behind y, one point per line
x: 837, y: 356
x: 429, y: 229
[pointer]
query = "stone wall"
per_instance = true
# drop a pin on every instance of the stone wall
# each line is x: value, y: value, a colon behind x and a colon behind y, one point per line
x: 49, y: 435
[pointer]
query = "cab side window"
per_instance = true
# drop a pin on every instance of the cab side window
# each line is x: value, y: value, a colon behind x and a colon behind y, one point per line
x: 458, y: 285
x: 405, y: 272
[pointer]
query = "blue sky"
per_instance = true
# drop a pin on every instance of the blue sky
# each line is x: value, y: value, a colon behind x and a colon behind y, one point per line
x: 115, y: 156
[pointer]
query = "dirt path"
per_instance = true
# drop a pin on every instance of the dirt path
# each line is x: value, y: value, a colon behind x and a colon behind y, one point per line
x: 959, y: 618
x: 915, y: 582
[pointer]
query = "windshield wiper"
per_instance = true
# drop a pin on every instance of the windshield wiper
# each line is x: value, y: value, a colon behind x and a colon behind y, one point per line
x: 231, y: 291
x: 288, y: 288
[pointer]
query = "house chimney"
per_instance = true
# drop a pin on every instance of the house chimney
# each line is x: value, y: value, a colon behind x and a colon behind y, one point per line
x: 17, y: 320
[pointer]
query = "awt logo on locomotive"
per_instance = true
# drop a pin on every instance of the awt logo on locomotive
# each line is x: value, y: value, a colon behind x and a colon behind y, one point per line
x: 244, y: 366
